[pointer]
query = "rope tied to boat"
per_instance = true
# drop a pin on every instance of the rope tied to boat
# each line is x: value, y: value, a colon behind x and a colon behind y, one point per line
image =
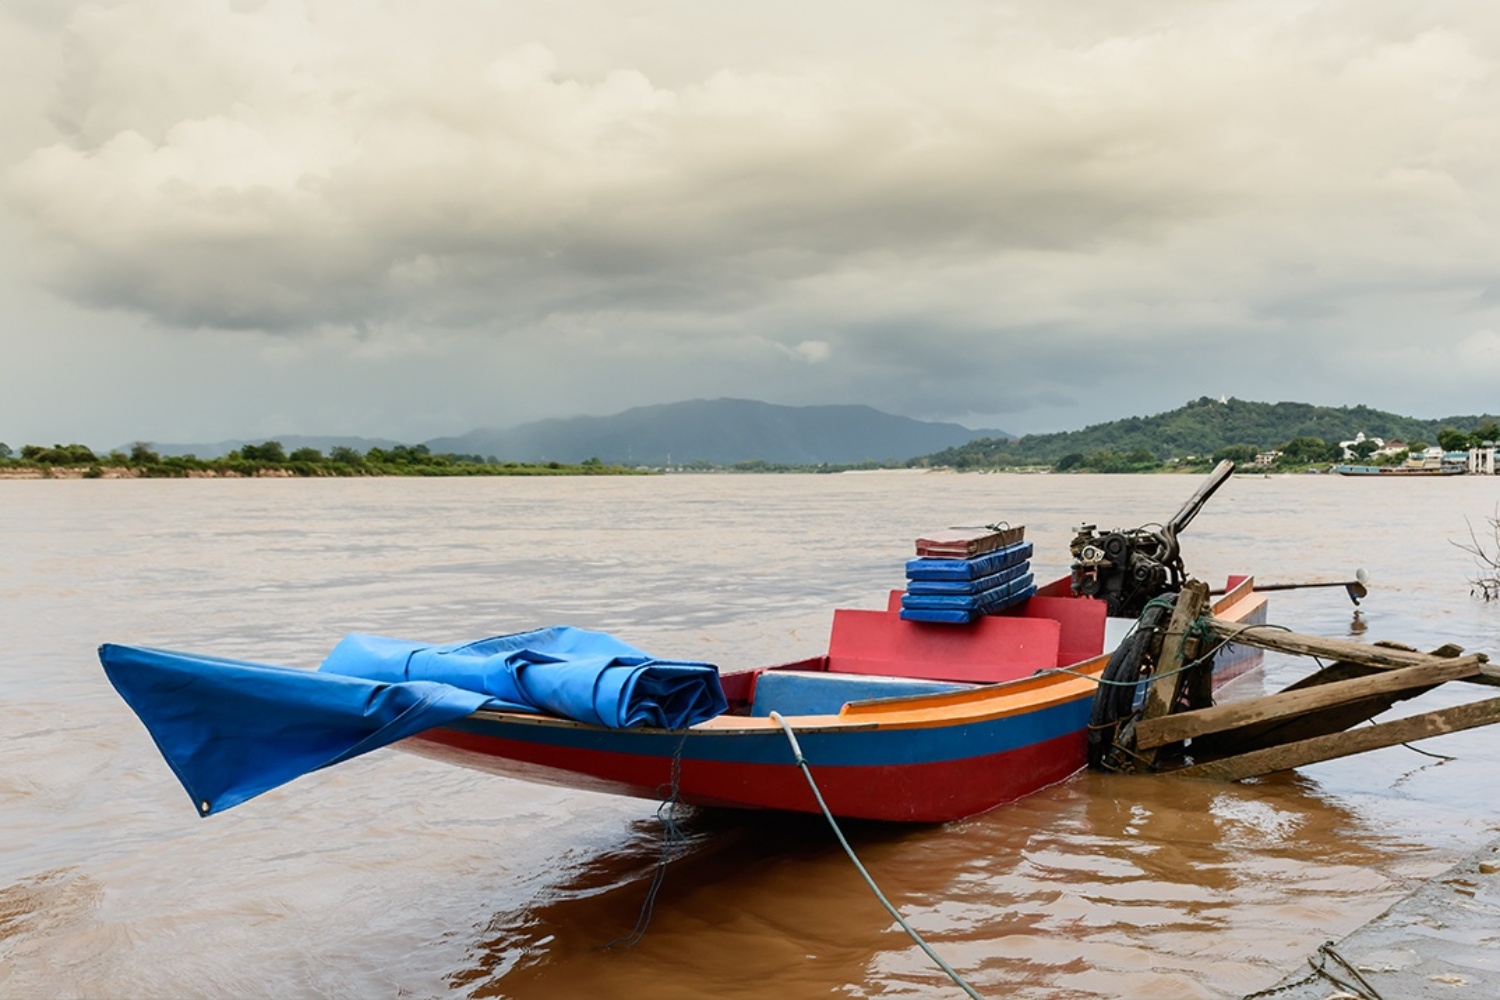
x: 791, y: 737
x: 672, y: 842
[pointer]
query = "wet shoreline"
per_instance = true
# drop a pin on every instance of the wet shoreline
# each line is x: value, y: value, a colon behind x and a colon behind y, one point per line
x: 1441, y: 940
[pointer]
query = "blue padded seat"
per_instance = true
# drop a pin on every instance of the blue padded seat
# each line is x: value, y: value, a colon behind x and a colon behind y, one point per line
x: 817, y: 692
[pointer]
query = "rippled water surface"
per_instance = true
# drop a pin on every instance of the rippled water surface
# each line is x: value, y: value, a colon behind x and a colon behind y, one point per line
x: 394, y: 876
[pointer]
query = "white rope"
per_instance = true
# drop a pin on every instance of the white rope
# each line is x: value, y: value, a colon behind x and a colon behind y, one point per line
x: 777, y: 718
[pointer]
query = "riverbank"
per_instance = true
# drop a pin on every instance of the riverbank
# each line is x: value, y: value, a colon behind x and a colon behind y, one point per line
x: 317, y: 472
x: 124, y: 472
x: 1442, y: 940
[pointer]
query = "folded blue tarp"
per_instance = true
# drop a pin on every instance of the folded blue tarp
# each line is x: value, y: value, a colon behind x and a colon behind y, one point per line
x: 231, y: 730
x: 588, y: 676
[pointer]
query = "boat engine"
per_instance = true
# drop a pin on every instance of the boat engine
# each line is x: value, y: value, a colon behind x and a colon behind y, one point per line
x: 1127, y: 568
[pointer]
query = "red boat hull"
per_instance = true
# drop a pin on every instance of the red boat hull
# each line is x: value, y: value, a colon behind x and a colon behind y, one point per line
x: 921, y: 758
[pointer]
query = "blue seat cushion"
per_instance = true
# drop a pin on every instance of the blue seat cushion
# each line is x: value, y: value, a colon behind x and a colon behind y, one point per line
x: 968, y: 569
x: 816, y: 692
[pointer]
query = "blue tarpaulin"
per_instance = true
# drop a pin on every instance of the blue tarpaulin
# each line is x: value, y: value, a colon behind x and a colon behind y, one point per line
x: 231, y: 730
x: 588, y: 676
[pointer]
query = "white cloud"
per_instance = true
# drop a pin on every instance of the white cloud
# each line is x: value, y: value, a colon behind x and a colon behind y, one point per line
x: 883, y: 187
x: 813, y: 351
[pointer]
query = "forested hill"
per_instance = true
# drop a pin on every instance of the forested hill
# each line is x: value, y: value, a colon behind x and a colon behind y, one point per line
x: 1199, y: 429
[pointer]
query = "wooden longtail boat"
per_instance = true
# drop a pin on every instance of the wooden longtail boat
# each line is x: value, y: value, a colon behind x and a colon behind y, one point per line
x: 900, y: 720
x: 970, y: 689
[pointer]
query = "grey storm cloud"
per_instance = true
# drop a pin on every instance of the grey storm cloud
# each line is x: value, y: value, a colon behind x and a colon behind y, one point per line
x: 893, y: 196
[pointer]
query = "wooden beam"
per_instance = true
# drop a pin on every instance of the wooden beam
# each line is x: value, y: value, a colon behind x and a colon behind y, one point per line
x: 1330, y: 747
x: 1152, y: 733
x: 1447, y: 649
x: 1334, y: 719
x: 1173, y: 649
x: 1343, y: 670
x: 1281, y: 641
x: 1320, y: 722
x: 1174, y: 652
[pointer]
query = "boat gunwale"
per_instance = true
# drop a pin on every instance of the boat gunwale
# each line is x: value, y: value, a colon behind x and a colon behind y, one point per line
x: 966, y: 706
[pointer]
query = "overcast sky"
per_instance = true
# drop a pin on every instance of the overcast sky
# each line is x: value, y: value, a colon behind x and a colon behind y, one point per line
x: 410, y: 219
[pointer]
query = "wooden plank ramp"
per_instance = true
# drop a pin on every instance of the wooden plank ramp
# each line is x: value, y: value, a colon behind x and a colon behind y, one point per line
x: 1178, y: 731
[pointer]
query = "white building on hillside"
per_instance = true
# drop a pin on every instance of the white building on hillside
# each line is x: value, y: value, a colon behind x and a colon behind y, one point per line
x: 1347, y: 446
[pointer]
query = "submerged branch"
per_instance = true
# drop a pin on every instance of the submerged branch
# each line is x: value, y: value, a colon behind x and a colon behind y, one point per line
x: 1485, y: 585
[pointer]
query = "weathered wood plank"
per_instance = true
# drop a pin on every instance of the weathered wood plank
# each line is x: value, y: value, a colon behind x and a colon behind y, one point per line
x: 1283, y: 641
x: 1338, y: 670
x: 1277, y: 640
x: 1447, y: 649
x: 1152, y: 733
x: 1330, y: 747
x: 1335, y: 719
x: 1190, y: 604
x: 1342, y: 670
x: 1174, y: 652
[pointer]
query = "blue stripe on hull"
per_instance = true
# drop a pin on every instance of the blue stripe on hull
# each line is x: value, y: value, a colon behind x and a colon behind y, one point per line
x: 852, y: 747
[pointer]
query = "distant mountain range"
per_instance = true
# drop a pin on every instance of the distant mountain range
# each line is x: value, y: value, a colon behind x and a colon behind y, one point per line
x: 718, y: 431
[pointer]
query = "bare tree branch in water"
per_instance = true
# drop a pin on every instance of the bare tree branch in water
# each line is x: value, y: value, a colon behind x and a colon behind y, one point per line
x: 1486, y: 558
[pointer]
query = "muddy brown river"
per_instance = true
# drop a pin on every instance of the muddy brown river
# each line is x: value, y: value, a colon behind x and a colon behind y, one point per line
x: 393, y: 876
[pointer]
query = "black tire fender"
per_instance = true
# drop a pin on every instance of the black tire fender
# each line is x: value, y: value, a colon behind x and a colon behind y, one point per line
x: 1114, y: 699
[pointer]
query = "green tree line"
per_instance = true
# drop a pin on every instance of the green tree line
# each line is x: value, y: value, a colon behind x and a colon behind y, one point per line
x: 253, y: 459
x: 1206, y: 430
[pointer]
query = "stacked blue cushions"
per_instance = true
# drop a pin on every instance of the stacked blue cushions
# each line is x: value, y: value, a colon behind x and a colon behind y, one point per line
x: 957, y: 591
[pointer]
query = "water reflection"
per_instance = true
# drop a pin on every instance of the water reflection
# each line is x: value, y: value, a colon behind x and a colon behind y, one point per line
x: 1114, y: 866
x: 734, y: 912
